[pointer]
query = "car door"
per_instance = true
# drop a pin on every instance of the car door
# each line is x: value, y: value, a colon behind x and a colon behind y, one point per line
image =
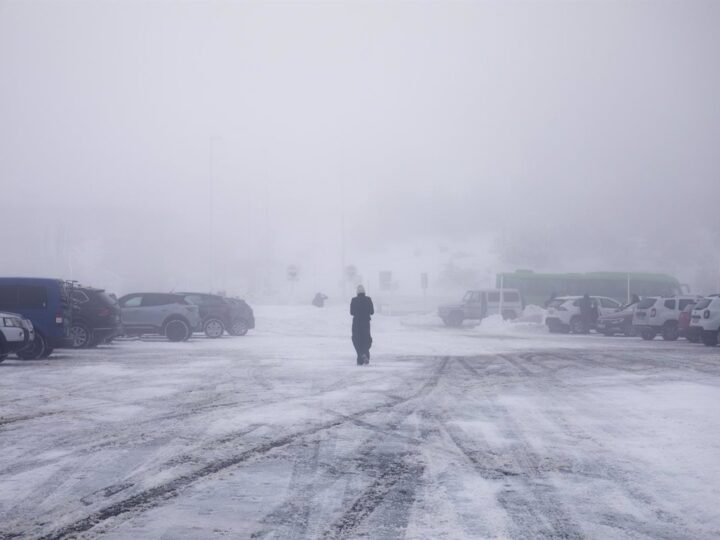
x: 156, y: 308
x: 475, y: 307
x: 608, y: 305
x: 131, y: 310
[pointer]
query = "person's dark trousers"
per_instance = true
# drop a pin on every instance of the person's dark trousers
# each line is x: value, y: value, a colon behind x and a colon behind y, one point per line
x: 362, y: 341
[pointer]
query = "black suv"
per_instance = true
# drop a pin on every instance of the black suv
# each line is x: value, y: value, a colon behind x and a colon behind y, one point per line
x: 96, y: 317
x: 220, y: 314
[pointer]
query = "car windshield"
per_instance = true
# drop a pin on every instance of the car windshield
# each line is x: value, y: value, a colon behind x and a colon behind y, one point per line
x: 646, y: 303
x: 702, y: 304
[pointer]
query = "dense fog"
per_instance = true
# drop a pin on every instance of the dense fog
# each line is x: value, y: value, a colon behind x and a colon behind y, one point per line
x: 211, y: 145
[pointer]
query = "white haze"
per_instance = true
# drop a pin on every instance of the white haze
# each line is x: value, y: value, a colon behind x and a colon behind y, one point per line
x: 495, y: 135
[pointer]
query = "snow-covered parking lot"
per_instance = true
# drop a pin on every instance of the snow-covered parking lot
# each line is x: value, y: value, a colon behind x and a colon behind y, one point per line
x: 494, y: 432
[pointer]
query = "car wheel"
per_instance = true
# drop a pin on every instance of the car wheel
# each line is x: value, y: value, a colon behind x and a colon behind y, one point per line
x: 81, y: 336
x: 608, y: 333
x: 693, y: 337
x: 648, y: 334
x: 47, y: 352
x: 239, y: 328
x: 214, y: 328
x: 670, y: 333
x: 177, y: 330
x: 3, y: 356
x: 35, y: 350
x: 710, y: 339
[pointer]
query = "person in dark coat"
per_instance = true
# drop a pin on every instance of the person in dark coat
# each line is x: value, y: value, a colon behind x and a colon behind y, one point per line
x: 361, y: 309
x: 586, y: 312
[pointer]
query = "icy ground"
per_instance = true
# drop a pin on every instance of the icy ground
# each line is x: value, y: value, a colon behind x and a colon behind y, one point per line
x: 488, y: 432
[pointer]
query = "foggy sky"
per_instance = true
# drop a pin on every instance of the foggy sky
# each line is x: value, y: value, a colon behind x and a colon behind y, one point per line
x: 549, y: 135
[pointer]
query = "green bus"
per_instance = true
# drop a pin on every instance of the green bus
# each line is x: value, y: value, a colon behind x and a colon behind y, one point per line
x: 537, y: 288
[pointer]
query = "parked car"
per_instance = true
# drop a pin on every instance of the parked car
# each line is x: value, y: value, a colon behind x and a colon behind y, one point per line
x: 96, y: 317
x: 219, y: 314
x: 563, y: 314
x: 16, y: 333
x: 169, y: 315
x: 618, y: 322
x: 660, y: 315
x: 477, y: 305
x: 46, y: 303
x: 706, y: 319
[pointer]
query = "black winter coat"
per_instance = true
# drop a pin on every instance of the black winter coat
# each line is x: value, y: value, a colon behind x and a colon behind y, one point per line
x: 361, y: 308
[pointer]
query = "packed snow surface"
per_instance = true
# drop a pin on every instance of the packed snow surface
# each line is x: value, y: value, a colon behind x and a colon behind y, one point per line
x: 490, y: 431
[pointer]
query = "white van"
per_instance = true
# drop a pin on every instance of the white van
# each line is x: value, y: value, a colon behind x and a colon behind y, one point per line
x: 478, y: 304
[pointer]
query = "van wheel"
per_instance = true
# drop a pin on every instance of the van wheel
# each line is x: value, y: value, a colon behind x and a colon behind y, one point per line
x: 710, y: 339
x: 214, y: 328
x: 648, y: 334
x: 608, y: 333
x: 35, y: 350
x: 177, y: 330
x: 670, y: 332
x: 81, y: 336
x: 239, y: 328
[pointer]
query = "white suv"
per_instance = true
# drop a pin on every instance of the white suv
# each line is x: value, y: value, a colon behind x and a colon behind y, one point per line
x: 659, y: 315
x: 16, y: 333
x: 563, y: 313
x: 706, y: 318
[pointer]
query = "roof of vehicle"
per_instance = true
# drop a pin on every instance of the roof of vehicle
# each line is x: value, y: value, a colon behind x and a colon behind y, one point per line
x: 649, y: 276
x: 10, y: 314
x: 494, y: 290
x: 32, y: 280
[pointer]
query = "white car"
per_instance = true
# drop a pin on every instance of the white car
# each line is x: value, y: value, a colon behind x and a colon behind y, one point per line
x: 706, y: 319
x: 16, y: 333
x: 563, y: 313
x: 659, y: 315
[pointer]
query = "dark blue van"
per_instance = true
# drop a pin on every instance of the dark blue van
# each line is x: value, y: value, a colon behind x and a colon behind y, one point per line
x: 46, y: 302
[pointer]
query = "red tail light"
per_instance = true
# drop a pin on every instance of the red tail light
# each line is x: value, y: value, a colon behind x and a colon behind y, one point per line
x: 104, y: 312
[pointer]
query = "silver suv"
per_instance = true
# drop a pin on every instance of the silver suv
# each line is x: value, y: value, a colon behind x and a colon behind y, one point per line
x: 169, y: 315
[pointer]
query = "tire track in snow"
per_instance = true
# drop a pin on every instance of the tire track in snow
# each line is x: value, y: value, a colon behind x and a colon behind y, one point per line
x: 151, y: 497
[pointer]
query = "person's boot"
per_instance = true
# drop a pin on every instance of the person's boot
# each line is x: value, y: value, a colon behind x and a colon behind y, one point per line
x: 366, y: 359
x: 359, y: 360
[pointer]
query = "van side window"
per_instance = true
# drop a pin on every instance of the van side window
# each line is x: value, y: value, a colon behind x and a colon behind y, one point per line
x: 670, y: 304
x: 32, y: 297
x: 511, y: 297
x: 8, y: 297
x: 493, y: 296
